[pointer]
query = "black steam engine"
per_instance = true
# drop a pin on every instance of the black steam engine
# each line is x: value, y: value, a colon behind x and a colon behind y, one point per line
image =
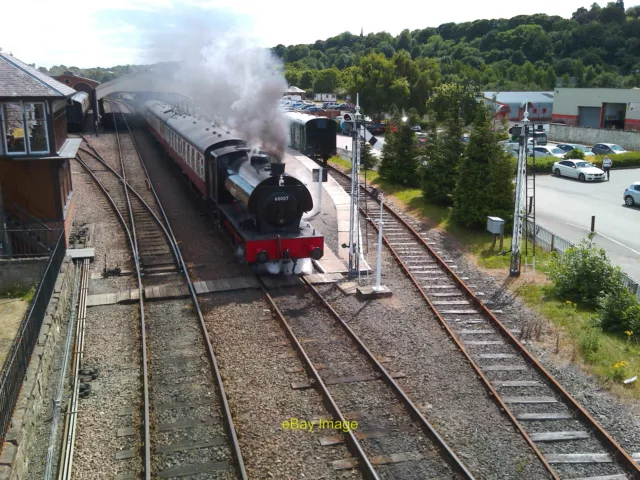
x: 258, y: 203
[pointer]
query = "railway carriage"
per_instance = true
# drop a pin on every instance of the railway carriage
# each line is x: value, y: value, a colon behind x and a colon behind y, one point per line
x: 258, y: 204
x: 312, y: 136
x: 77, y: 108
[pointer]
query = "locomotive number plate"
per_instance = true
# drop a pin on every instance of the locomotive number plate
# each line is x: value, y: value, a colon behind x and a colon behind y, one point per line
x: 281, y: 199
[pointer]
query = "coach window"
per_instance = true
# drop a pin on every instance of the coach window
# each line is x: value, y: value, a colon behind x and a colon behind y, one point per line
x: 13, y: 128
x: 37, y: 127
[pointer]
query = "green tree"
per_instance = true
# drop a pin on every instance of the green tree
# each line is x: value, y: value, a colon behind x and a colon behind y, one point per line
x: 550, y: 78
x: 443, y: 157
x: 327, y: 81
x: 485, y: 182
x: 306, y: 79
x: 453, y: 99
x: 400, y: 157
x: 368, y: 160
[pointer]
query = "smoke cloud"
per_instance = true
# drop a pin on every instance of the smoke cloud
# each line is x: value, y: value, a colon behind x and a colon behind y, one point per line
x: 227, y: 75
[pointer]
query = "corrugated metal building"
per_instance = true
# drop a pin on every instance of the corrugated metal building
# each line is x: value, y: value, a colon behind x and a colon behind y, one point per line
x: 512, y: 105
x: 617, y: 108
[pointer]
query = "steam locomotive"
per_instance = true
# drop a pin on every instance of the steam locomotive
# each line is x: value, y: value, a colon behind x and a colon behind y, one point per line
x: 258, y: 204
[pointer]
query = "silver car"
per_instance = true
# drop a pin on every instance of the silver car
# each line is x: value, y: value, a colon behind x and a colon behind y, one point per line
x: 632, y: 195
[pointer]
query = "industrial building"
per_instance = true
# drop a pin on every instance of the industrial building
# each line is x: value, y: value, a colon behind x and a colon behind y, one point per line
x: 608, y: 108
x: 511, y: 105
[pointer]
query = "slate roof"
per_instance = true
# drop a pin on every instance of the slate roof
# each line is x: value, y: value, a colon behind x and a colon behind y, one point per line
x: 17, y: 79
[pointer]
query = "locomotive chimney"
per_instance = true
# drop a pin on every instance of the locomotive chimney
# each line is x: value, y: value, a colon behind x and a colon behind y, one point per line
x: 277, y: 169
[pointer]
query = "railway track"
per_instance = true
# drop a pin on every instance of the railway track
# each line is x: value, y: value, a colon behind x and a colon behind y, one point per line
x: 187, y: 426
x: 569, y: 441
x: 393, y: 439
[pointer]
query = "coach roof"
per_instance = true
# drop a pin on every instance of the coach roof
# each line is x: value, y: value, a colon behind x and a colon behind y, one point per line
x: 197, y: 131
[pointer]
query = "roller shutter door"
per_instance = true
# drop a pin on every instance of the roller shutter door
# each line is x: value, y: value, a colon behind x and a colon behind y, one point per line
x: 589, y: 117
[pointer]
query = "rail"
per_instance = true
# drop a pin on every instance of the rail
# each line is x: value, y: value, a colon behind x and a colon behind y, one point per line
x: 15, y: 365
x: 623, y: 458
x: 352, y: 441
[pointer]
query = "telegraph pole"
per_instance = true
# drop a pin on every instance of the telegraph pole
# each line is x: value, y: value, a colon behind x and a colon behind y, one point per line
x: 520, y: 210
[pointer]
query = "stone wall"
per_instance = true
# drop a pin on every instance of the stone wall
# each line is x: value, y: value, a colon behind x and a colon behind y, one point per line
x: 14, y: 461
x: 590, y: 136
x: 22, y: 272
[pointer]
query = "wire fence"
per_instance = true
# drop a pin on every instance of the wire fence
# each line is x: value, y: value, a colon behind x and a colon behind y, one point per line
x: 16, y: 363
x: 551, y: 242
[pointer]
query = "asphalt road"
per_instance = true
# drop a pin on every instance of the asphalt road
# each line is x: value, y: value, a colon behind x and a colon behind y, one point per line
x: 565, y: 207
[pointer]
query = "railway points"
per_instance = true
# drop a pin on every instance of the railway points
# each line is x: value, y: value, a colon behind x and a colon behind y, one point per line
x: 398, y: 435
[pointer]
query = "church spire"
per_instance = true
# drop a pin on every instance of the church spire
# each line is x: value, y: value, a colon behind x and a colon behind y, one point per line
x: 361, y: 31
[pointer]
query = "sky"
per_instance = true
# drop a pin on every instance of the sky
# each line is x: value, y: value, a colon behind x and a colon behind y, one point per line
x: 117, y: 32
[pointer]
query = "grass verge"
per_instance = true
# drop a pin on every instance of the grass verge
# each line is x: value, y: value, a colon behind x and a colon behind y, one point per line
x: 601, y: 354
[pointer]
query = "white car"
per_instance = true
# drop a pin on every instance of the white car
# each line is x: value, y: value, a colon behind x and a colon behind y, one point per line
x: 583, y: 171
x: 548, y: 151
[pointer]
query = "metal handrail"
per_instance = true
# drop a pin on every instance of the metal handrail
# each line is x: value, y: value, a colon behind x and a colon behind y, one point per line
x: 22, y: 211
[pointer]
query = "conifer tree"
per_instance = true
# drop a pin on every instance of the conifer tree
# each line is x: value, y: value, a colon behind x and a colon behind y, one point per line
x: 444, y: 155
x: 485, y: 181
x: 400, y: 157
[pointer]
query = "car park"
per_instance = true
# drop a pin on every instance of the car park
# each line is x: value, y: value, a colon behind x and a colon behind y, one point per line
x: 567, y: 147
x: 607, y: 149
x: 631, y: 195
x: 580, y: 169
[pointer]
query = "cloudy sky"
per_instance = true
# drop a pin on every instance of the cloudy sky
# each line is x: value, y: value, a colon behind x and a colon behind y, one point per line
x: 115, y: 32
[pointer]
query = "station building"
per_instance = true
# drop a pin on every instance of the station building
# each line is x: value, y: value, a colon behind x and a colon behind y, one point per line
x: 296, y: 91
x: 511, y: 105
x: 608, y: 108
x: 36, y: 194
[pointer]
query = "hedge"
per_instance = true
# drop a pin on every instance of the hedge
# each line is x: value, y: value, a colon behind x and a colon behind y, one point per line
x: 631, y: 159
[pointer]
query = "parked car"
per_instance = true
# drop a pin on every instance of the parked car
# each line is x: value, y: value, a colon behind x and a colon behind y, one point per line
x: 548, y: 151
x: 540, y: 138
x: 580, y: 169
x: 632, y: 195
x: 567, y: 147
x: 376, y: 128
x: 607, y: 149
x: 314, y: 109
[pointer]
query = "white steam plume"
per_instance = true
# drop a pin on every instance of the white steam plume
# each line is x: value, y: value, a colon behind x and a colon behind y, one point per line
x: 228, y: 76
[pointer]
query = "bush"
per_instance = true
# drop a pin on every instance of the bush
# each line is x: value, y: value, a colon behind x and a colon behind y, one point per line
x: 620, y: 311
x: 584, y: 274
x: 575, y: 154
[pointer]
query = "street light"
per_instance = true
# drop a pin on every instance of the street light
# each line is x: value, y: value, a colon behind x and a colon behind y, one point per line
x: 404, y: 119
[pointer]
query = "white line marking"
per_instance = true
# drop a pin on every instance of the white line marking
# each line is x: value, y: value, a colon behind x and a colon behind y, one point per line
x: 605, y: 236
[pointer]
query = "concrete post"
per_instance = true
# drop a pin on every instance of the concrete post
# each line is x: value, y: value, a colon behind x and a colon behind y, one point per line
x: 320, y: 190
x: 379, y: 263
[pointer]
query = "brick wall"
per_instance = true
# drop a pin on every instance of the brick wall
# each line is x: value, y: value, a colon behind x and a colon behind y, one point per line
x: 22, y: 272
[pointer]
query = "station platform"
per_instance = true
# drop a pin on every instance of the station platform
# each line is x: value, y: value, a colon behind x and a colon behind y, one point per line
x: 302, y: 166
